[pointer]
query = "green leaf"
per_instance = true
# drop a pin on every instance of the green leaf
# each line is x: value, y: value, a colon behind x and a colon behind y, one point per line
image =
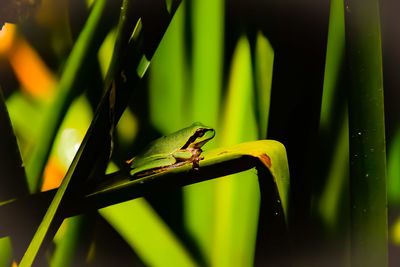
x: 331, y: 198
x: 50, y: 219
x: 264, y: 61
x: 72, y: 83
x: 394, y: 170
x: 217, y: 163
x: 147, y: 234
x: 5, y: 252
x: 207, y: 28
x: 168, y: 80
x: 238, y: 196
x: 68, y: 245
x: 91, y: 159
x: 333, y: 169
x: 369, y: 228
x: 267, y: 155
x: 333, y: 66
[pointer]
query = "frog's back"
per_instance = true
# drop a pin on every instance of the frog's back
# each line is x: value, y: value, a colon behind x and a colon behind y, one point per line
x: 167, y: 144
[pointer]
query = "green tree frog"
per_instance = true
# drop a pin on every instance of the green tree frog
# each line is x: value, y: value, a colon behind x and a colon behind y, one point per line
x: 171, y: 151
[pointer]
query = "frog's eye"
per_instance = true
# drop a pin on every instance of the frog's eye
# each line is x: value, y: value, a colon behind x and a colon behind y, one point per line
x: 200, y: 132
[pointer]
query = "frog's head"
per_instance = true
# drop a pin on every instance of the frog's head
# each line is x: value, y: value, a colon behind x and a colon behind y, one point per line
x: 199, y: 135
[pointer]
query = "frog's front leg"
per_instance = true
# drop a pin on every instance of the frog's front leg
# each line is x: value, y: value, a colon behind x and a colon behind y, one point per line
x: 190, y: 155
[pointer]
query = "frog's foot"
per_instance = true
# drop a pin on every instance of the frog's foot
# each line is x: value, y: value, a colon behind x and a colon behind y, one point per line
x: 196, y: 165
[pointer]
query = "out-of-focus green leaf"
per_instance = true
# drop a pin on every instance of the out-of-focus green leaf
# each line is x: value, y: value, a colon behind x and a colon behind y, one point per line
x: 395, y: 232
x: 72, y: 131
x: 394, y: 170
x: 5, y: 252
x: 333, y: 123
x: 264, y: 61
x: 105, y: 52
x: 127, y: 128
x: 333, y: 62
x: 369, y: 227
x: 50, y: 219
x: 208, y: 29
x: 147, y: 234
x: 71, y: 83
x: 144, y: 226
x: 93, y: 154
x: 237, y: 197
x: 329, y: 203
x: 25, y: 116
x: 168, y: 72
x: 67, y: 244
x: 69, y: 137
x: 207, y: 17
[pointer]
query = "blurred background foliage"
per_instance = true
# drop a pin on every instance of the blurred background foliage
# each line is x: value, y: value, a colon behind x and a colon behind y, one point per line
x: 251, y: 70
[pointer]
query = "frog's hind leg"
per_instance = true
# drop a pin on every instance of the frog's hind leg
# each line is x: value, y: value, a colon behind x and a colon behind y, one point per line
x: 153, y: 166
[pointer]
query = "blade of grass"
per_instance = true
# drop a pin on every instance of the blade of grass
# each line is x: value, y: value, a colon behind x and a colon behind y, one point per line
x: 207, y: 25
x: 166, y: 101
x: 369, y: 237
x: 263, y: 61
x: 5, y: 251
x: 167, y: 83
x: 330, y: 200
x: 208, y: 28
x: 69, y: 246
x: 333, y: 65
x: 168, y: 78
x: 22, y: 111
x: 77, y: 228
x: 147, y: 234
x: 48, y: 226
x: 394, y: 170
x: 75, y: 73
x: 237, y: 197
x: 333, y: 135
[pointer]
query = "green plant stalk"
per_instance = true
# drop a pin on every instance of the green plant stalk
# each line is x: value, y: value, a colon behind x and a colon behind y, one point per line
x: 217, y: 163
x: 369, y: 237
